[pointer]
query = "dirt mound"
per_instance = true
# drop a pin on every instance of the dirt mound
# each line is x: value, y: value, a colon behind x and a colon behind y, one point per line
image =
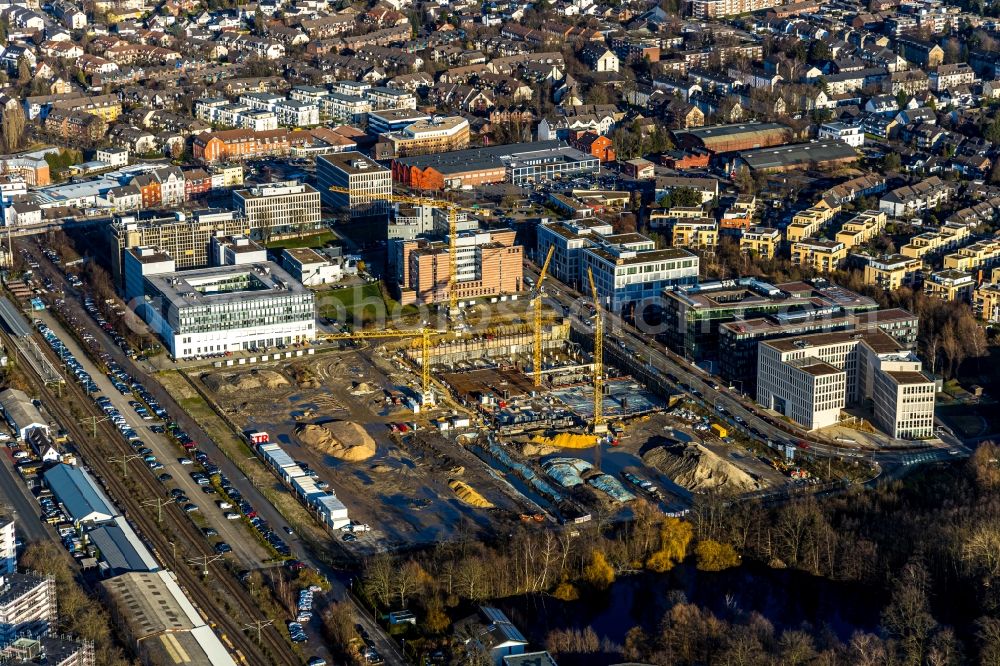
x: 239, y: 382
x: 362, y: 388
x: 469, y: 495
x: 698, y: 469
x: 532, y: 449
x: 345, y: 440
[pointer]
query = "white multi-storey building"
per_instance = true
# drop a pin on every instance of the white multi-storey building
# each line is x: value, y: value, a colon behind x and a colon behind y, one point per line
x: 279, y: 206
x: 628, y: 269
x: 219, y: 309
x: 811, y: 378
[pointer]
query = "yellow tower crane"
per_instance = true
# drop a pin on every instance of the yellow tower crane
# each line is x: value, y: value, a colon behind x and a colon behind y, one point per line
x: 453, y: 210
x: 599, y: 426
x: 426, y: 394
x: 537, y: 304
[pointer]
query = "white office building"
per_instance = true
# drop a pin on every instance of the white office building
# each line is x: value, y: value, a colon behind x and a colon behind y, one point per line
x: 284, y: 206
x: 812, y: 378
x: 628, y: 269
x: 219, y: 309
x: 569, y: 238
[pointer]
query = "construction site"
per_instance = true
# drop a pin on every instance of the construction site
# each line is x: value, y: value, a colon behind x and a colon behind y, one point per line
x: 426, y: 433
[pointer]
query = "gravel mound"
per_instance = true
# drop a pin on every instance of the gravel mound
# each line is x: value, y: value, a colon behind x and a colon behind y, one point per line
x: 698, y: 469
x: 469, y: 495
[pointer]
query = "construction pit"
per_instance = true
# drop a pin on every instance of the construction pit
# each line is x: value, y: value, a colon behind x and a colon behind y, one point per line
x: 495, y: 448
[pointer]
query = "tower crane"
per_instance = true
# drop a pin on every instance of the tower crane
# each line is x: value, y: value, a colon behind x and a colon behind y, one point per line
x: 426, y: 395
x: 598, y: 426
x: 537, y: 305
x: 449, y: 206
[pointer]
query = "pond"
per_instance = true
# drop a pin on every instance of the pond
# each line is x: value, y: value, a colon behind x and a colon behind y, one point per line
x: 788, y: 598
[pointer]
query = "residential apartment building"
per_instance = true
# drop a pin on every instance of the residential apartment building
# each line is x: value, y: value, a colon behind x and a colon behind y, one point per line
x: 978, y: 256
x: 695, y: 235
x: 369, y: 183
x: 950, y: 285
x: 950, y: 236
x: 948, y: 77
x: 822, y: 255
x: 811, y: 378
x: 760, y: 242
x: 437, y: 135
x: 27, y: 606
x: 912, y: 200
x: 862, y: 228
x: 709, y: 9
x: 892, y: 271
x: 628, y: 269
x: 807, y: 223
x: 852, y: 135
x: 279, y: 207
x: 986, y: 301
x: 240, y: 144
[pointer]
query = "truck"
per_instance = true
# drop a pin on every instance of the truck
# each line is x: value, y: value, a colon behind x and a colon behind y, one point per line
x: 719, y: 430
x: 256, y: 437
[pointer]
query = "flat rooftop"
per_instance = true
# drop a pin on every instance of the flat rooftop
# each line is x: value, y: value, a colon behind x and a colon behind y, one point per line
x: 816, y: 367
x: 642, y: 257
x: 800, y: 153
x: 879, y: 341
x: 352, y: 162
x: 224, y: 284
x: 495, y: 157
x: 908, y: 377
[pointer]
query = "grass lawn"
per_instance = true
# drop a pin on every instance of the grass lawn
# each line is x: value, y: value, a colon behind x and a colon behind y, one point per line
x: 318, y: 239
x: 359, y: 303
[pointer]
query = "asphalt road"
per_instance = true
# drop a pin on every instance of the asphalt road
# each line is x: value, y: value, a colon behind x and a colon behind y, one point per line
x: 699, y: 384
x: 19, y: 501
x: 145, y: 374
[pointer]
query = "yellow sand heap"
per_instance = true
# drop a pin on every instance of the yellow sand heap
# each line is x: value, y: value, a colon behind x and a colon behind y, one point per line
x: 566, y: 440
x: 468, y: 494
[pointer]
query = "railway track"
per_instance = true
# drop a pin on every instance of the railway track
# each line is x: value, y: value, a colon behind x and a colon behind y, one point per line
x: 230, y: 608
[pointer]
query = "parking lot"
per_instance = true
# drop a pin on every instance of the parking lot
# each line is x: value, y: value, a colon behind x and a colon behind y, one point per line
x: 154, y: 449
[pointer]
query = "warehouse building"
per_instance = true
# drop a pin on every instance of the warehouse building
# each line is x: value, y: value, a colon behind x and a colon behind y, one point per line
x: 159, y: 622
x: 811, y: 378
x: 812, y: 155
x: 219, y: 309
x: 120, y: 548
x: 718, y: 139
x: 518, y: 163
x: 79, y: 495
x: 21, y: 414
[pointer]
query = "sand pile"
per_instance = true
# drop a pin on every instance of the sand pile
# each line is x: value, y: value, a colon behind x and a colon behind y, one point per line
x: 534, y: 449
x: 698, y: 469
x: 345, y: 440
x: 469, y: 495
x: 362, y: 388
x: 240, y: 382
x: 566, y: 440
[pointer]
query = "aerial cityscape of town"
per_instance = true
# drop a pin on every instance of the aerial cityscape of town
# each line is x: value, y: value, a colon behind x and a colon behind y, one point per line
x: 500, y: 333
